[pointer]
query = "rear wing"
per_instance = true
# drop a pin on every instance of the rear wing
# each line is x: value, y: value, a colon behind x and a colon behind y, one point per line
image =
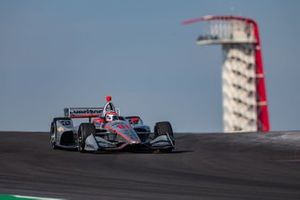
x: 83, y: 112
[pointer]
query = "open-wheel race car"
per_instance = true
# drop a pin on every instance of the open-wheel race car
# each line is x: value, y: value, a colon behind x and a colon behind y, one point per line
x: 107, y: 130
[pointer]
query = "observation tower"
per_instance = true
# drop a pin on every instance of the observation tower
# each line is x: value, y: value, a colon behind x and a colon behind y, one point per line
x: 245, y: 105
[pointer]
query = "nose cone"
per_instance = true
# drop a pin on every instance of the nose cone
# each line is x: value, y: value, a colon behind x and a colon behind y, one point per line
x: 135, y: 141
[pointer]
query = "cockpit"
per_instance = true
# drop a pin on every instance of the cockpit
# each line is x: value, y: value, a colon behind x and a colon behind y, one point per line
x: 109, y: 107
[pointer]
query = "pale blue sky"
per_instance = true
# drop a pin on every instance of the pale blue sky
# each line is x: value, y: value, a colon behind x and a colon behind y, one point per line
x: 72, y: 53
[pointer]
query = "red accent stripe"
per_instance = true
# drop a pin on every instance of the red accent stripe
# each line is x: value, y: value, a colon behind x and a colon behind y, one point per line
x: 119, y: 133
x: 263, y: 123
x: 84, y: 115
x: 209, y: 18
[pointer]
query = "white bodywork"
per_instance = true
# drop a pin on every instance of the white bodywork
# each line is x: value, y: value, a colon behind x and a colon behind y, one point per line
x: 239, y: 99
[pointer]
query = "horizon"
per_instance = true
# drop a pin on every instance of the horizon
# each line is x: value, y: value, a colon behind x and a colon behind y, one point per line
x: 57, y: 54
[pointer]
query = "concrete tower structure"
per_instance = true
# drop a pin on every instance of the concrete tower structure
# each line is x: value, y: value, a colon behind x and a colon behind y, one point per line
x: 245, y: 105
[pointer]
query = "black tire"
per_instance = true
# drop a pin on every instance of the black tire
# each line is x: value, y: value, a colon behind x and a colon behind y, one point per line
x: 53, y: 130
x: 85, y: 129
x: 53, y: 133
x: 163, y: 128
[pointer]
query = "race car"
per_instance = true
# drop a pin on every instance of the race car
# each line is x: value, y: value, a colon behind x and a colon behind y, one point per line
x: 107, y: 130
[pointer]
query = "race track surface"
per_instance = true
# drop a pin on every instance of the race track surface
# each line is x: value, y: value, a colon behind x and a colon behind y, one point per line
x: 204, y: 166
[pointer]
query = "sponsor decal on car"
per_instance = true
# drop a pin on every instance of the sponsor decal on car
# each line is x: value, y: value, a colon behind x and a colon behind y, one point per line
x: 83, y: 112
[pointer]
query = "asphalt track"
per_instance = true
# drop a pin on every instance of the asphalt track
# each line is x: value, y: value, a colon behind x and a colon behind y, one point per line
x: 204, y: 166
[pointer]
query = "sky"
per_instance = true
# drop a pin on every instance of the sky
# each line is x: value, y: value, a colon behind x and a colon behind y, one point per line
x: 61, y: 53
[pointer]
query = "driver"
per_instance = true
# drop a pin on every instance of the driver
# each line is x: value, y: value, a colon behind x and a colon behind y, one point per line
x: 109, y: 111
x: 111, y: 116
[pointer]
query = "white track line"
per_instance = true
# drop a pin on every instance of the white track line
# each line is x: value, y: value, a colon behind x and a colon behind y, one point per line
x: 37, y: 198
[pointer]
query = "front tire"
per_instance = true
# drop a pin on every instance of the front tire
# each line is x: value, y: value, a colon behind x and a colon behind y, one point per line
x: 85, y: 129
x: 163, y: 128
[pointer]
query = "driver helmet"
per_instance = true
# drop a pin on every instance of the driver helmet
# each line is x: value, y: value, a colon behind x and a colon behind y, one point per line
x: 111, y: 116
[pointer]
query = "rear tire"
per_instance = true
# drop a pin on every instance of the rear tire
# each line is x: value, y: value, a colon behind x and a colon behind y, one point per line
x: 85, y: 129
x: 53, y: 136
x: 53, y: 131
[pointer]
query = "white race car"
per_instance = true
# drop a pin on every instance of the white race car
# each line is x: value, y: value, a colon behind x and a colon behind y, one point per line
x: 108, y: 131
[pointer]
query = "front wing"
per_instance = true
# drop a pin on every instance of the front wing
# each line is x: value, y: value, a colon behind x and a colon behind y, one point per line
x: 97, y: 143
